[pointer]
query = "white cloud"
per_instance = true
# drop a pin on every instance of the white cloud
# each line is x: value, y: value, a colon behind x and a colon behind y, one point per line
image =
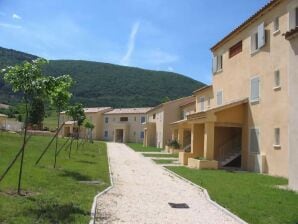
x: 170, y: 68
x: 131, y: 44
x: 16, y: 16
x: 10, y: 26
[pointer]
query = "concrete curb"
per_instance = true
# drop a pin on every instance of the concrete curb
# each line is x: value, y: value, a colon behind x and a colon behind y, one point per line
x: 94, y: 204
x: 207, y: 196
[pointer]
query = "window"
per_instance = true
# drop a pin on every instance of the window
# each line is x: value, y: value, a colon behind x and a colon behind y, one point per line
x: 208, y: 102
x: 106, y: 120
x: 154, y: 116
x: 106, y: 134
x: 254, y: 146
x: 135, y: 118
x: 143, y: 119
x: 255, y: 89
x: 202, y: 100
x: 236, y: 49
x: 219, y: 97
x: 134, y: 133
x: 217, y: 63
x: 276, y: 79
x: 122, y: 119
x: 258, y: 39
x: 276, y: 24
x: 276, y: 136
x: 142, y: 134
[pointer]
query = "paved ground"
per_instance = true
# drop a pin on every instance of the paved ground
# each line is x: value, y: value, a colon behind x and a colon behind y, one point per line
x: 143, y: 189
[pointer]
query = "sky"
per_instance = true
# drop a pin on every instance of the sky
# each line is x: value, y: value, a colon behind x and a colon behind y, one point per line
x: 168, y: 35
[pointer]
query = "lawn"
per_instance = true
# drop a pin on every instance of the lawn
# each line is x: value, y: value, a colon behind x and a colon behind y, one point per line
x: 140, y: 148
x: 253, y: 197
x: 61, y: 195
x: 163, y: 161
x: 161, y: 155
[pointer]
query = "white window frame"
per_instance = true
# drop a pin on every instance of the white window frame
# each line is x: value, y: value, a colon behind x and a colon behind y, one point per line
x: 254, y: 101
x: 222, y: 97
x: 106, y: 120
x: 202, y: 103
x: 217, y: 63
x: 276, y: 25
x: 258, y: 38
x: 249, y: 141
x: 143, y: 117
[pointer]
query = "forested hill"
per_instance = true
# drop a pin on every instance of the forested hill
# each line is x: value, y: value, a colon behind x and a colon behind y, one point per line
x: 103, y: 84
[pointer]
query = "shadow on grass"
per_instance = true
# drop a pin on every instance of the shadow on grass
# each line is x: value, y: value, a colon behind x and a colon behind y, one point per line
x: 85, y: 161
x: 50, y: 211
x: 75, y: 175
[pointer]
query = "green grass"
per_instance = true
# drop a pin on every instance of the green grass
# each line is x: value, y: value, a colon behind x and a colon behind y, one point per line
x: 253, y: 197
x: 58, y: 196
x: 140, y: 148
x: 163, y: 161
x: 161, y: 155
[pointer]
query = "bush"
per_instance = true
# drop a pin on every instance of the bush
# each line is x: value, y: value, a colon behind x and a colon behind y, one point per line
x: 174, y: 144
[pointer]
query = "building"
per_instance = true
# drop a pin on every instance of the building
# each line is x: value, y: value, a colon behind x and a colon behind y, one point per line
x: 124, y: 125
x: 93, y: 115
x: 248, y: 116
x: 157, y: 128
x: 3, y: 121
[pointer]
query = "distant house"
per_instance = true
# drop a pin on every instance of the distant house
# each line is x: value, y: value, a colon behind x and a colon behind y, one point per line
x: 94, y: 115
x: 157, y: 128
x: 248, y: 117
x: 125, y: 124
x: 4, y: 106
x: 3, y: 121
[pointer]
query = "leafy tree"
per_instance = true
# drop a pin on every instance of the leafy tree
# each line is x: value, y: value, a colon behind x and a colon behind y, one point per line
x: 59, y: 98
x: 76, y: 112
x: 28, y: 80
x: 89, y: 126
x: 37, y: 112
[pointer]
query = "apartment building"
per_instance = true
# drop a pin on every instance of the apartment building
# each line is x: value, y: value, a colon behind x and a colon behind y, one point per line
x: 157, y: 129
x: 125, y: 125
x: 248, y: 116
x: 93, y: 115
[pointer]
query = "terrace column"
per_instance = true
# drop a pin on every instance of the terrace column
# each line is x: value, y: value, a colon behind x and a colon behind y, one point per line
x: 197, y: 139
x: 181, y: 137
x: 209, y: 140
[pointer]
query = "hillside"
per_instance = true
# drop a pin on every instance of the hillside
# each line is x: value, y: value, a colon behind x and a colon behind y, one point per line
x: 103, y: 84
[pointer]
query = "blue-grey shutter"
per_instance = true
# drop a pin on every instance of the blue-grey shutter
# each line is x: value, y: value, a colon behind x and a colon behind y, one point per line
x: 254, y: 141
x: 214, y: 64
x: 261, y: 35
x: 255, y: 89
x: 219, y: 97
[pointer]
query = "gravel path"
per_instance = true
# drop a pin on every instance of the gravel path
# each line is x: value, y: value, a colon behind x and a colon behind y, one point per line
x: 143, y: 189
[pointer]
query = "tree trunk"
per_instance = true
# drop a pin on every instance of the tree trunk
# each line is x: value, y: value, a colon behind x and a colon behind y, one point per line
x: 58, y: 125
x: 23, y: 148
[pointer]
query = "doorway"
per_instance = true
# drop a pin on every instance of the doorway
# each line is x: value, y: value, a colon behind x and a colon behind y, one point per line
x: 119, y: 135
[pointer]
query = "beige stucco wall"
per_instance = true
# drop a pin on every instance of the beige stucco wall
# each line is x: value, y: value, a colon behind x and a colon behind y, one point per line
x: 293, y: 118
x: 165, y: 114
x: 133, y: 127
x: 3, y: 122
x: 234, y: 81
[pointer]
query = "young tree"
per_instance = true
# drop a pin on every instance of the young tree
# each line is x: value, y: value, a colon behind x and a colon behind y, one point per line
x: 89, y: 126
x: 59, y: 98
x: 27, y: 79
x: 76, y: 112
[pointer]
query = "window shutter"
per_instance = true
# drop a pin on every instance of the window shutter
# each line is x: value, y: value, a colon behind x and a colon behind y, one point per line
x: 254, y: 140
x: 261, y: 35
x: 255, y: 90
x: 296, y: 12
x: 219, y: 97
x: 214, y: 64
x: 277, y: 78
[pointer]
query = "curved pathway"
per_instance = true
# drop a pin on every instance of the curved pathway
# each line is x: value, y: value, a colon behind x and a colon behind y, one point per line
x: 142, y: 191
